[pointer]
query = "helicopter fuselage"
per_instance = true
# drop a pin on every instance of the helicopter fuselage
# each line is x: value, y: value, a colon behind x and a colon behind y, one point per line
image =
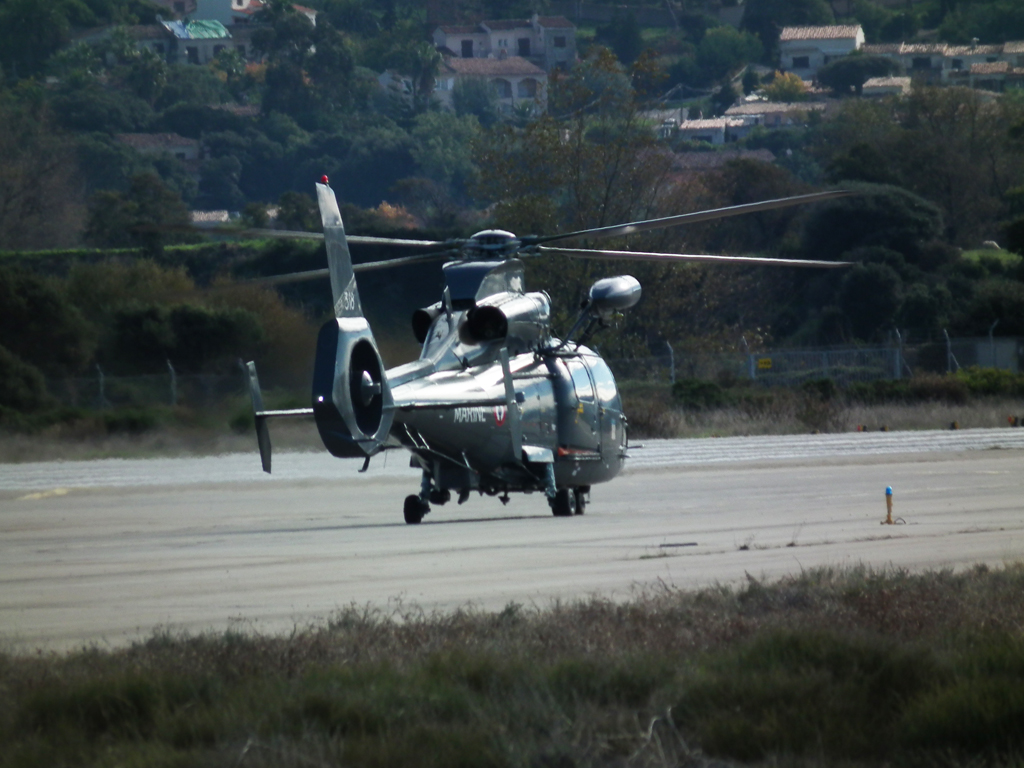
x: 569, y: 413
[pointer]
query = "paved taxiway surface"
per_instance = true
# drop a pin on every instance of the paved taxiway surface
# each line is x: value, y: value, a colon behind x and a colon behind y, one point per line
x: 103, y: 552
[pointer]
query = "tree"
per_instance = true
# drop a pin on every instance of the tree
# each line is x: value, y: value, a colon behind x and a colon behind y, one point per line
x: 298, y: 211
x: 849, y: 73
x: 196, y: 338
x: 724, y: 50
x: 147, y: 217
x: 22, y: 386
x: 44, y: 330
x: 870, y: 297
x: 443, y: 146
x: 876, y: 216
x: 30, y: 32
x: 421, y: 62
x: 786, y: 87
x: 766, y: 18
x: 41, y: 204
x: 472, y: 96
x: 622, y: 36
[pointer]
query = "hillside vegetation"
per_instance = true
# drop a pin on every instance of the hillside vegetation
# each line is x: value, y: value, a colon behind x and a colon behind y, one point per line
x: 937, y: 172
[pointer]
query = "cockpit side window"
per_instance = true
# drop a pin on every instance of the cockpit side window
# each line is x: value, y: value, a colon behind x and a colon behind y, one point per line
x: 581, y: 380
x: 605, y: 382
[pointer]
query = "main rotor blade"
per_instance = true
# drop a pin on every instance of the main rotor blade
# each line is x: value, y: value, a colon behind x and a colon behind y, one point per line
x: 288, y: 234
x: 583, y: 253
x: 315, y: 274
x: 618, y: 230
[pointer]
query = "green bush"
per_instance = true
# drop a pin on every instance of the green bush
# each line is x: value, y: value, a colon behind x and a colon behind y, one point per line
x: 22, y: 387
x: 695, y: 394
x: 991, y: 381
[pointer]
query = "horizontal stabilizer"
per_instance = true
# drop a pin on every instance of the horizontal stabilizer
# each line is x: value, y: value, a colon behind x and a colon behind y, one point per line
x: 261, y: 415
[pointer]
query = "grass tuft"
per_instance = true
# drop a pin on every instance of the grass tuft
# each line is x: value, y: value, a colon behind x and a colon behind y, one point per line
x: 853, y: 667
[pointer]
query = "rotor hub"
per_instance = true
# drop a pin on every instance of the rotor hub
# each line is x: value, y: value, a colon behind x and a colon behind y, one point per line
x: 492, y: 243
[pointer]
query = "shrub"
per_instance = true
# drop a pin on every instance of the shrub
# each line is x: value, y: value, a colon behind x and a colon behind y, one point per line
x: 991, y: 381
x: 694, y: 394
x: 22, y: 387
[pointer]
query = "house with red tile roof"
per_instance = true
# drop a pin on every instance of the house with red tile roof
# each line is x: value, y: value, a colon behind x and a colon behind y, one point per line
x: 805, y: 50
x: 548, y: 42
x: 514, y: 81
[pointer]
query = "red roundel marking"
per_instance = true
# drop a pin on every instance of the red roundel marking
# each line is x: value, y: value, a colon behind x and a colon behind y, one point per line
x: 323, y: 179
x: 500, y: 412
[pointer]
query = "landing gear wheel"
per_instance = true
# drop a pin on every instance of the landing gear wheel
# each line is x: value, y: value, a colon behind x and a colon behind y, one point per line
x: 564, y: 503
x: 581, y: 500
x: 414, y: 509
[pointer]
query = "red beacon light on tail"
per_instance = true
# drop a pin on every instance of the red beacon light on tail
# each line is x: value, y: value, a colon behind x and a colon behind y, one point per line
x: 323, y: 179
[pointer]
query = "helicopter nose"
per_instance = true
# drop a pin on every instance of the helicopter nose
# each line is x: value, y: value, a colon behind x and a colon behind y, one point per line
x: 368, y: 388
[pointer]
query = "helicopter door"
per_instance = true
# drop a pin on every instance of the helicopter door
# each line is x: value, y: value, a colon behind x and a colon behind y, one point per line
x: 587, y: 427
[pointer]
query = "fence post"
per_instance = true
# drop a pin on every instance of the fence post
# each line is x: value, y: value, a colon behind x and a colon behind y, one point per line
x: 174, y: 383
x: 101, y: 402
x: 950, y: 359
x: 898, y: 373
x: 671, y: 363
x: 992, y: 342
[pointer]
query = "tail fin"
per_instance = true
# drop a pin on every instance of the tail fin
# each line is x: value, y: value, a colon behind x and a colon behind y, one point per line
x: 339, y: 261
x: 352, y: 401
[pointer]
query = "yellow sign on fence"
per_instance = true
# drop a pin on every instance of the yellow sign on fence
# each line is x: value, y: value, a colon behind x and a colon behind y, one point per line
x: 764, y: 363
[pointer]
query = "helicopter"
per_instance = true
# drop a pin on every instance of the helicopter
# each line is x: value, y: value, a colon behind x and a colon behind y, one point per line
x: 495, y: 403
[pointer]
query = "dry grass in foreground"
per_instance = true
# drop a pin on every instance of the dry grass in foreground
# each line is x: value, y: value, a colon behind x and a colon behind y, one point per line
x: 830, y: 667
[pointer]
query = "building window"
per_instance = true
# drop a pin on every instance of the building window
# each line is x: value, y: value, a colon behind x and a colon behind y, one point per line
x: 828, y: 59
x: 958, y: 64
x: 921, y: 63
x: 502, y: 43
x: 158, y: 48
x: 801, y: 62
x: 241, y: 50
x: 560, y: 41
x: 217, y: 49
x: 502, y: 88
x: 467, y: 49
x: 193, y: 54
x: 991, y: 59
x: 526, y: 89
x: 524, y: 46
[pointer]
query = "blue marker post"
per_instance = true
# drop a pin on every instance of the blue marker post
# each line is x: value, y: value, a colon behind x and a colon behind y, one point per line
x: 888, y: 506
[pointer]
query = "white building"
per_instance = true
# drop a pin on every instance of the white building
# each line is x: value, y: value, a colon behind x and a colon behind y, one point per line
x: 549, y: 42
x: 886, y: 86
x: 514, y: 80
x: 805, y: 50
x: 713, y: 130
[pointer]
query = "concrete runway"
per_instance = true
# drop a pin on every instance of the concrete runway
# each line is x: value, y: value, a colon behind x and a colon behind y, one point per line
x: 104, y: 552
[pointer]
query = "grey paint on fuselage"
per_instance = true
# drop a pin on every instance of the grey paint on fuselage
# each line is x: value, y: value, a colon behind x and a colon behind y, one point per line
x: 567, y: 401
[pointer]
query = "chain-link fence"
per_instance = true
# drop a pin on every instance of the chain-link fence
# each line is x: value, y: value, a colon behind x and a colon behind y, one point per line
x: 782, y: 367
x: 844, y: 365
x: 101, y: 391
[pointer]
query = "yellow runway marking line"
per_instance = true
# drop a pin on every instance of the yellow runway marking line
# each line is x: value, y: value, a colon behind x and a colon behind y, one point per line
x: 44, y: 494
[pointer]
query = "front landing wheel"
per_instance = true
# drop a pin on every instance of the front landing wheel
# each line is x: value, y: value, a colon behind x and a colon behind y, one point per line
x: 581, y: 500
x: 415, y: 509
x: 564, y: 503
